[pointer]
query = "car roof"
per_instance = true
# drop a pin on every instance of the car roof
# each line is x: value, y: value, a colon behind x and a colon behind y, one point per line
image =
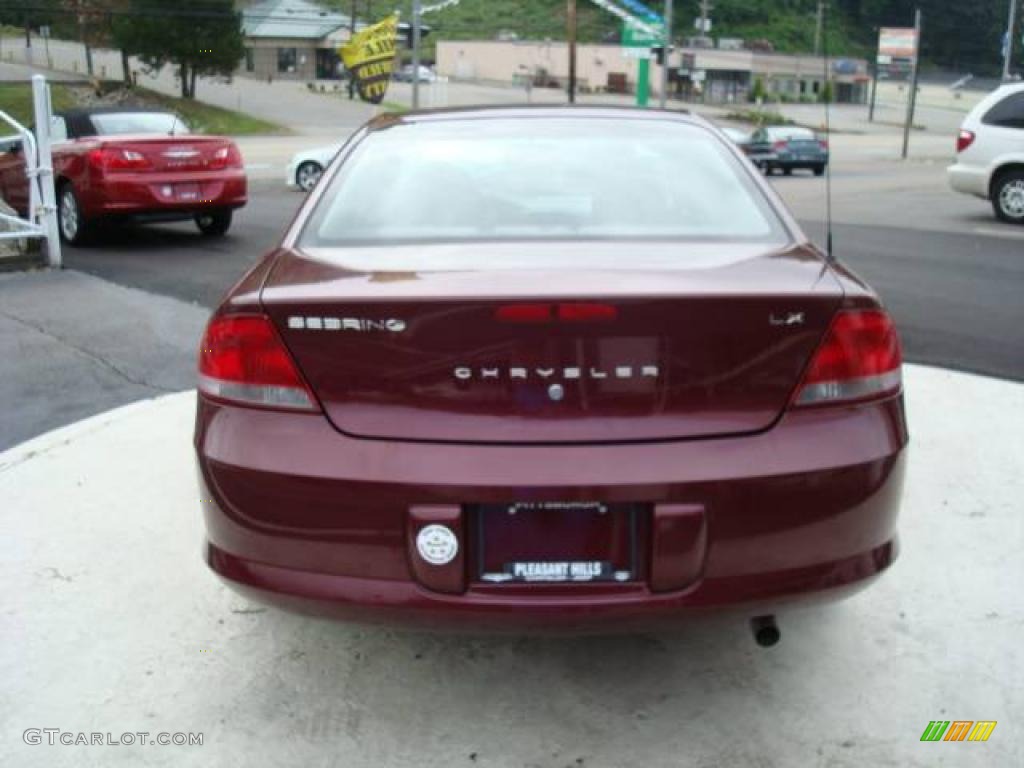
x: 518, y: 111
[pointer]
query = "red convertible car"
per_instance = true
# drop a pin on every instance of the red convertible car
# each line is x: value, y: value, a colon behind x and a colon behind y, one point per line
x: 548, y: 368
x: 135, y: 164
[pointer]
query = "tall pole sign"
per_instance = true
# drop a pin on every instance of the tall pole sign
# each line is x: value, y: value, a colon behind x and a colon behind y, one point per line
x: 637, y: 41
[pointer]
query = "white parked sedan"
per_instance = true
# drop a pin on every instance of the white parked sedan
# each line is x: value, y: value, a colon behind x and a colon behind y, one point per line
x: 990, y: 153
x: 305, y: 168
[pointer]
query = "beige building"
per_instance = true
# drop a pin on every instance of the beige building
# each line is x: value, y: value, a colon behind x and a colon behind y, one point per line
x: 707, y: 74
x: 292, y: 40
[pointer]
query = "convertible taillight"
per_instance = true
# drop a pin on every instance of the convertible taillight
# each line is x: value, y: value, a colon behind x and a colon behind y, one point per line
x: 113, y: 159
x: 859, y: 359
x: 226, y: 157
x: 243, y: 360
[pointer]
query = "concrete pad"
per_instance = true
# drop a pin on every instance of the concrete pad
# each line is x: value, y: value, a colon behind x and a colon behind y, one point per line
x: 112, y: 624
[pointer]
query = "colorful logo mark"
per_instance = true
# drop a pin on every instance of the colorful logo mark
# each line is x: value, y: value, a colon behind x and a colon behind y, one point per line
x: 958, y: 730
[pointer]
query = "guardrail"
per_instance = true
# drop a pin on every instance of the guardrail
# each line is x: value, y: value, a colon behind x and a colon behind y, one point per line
x: 41, y: 221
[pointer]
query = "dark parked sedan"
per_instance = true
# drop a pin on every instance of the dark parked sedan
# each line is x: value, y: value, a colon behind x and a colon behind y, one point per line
x: 555, y: 392
x: 789, y: 148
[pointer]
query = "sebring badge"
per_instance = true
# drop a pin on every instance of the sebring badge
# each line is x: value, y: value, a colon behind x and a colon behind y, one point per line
x: 359, y: 324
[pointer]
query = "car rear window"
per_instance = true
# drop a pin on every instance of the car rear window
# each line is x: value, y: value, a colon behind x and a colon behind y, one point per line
x: 502, y: 179
x: 1008, y: 113
x: 116, y: 123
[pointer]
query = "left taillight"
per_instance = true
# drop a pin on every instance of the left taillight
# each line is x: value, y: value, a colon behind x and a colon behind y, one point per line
x: 243, y: 360
x: 859, y: 359
x: 226, y: 157
x: 106, y: 159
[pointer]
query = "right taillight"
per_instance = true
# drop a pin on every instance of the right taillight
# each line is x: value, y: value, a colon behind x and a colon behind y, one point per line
x: 226, y: 157
x: 859, y: 359
x: 242, y: 360
x: 964, y: 140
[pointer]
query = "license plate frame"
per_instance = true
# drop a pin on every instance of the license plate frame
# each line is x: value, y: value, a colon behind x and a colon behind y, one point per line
x: 618, y: 564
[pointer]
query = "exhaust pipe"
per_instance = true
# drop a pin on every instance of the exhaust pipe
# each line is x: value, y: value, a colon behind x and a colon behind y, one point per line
x: 766, y: 631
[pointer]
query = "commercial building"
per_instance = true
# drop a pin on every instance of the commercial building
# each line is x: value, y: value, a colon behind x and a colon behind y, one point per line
x: 292, y: 40
x: 706, y: 74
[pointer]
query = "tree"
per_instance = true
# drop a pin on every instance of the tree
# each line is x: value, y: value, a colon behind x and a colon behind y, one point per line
x: 198, y: 37
x: 38, y: 13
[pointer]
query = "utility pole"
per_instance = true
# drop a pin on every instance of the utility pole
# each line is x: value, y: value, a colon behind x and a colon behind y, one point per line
x: 416, y: 54
x: 663, y: 95
x: 874, y: 78
x: 570, y: 14
x: 817, y: 29
x: 912, y: 101
x: 351, y: 34
x: 1008, y: 52
x: 83, y: 36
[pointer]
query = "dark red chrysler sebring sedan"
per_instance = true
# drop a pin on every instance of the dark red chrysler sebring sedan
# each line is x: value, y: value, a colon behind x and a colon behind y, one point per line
x: 564, y: 368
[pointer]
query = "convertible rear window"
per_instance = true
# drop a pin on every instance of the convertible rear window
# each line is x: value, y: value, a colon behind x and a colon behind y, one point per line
x: 116, y: 123
x: 540, y: 178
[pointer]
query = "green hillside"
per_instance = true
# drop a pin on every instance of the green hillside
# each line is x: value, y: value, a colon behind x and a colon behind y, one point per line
x: 957, y: 36
x: 790, y: 25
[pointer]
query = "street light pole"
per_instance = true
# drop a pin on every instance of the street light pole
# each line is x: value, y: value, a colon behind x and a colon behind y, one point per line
x: 1008, y: 53
x: 663, y: 96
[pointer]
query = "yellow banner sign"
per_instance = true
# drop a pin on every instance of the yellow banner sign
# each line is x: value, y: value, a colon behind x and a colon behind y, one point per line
x: 370, y: 58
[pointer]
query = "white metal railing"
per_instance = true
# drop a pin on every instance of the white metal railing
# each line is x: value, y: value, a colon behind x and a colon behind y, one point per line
x: 42, y: 198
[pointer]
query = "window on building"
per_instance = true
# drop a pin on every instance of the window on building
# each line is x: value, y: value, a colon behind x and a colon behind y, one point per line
x: 286, y: 59
x: 250, y: 62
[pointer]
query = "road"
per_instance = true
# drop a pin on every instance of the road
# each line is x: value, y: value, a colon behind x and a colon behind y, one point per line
x: 955, y: 295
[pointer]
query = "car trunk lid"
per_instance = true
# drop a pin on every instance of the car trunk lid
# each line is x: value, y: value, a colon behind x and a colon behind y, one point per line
x: 525, y: 355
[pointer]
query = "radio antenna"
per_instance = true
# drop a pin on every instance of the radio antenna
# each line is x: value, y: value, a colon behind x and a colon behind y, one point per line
x: 828, y: 132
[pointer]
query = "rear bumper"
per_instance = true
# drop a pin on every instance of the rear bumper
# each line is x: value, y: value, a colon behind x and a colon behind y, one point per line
x: 158, y: 194
x: 789, y: 161
x: 969, y: 180
x: 303, y: 517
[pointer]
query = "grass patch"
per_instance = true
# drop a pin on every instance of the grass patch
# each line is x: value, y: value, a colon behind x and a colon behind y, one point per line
x: 394, y: 107
x: 205, y: 118
x: 16, y: 101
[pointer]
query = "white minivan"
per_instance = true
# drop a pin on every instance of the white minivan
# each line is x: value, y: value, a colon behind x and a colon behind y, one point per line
x: 990, y: 153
